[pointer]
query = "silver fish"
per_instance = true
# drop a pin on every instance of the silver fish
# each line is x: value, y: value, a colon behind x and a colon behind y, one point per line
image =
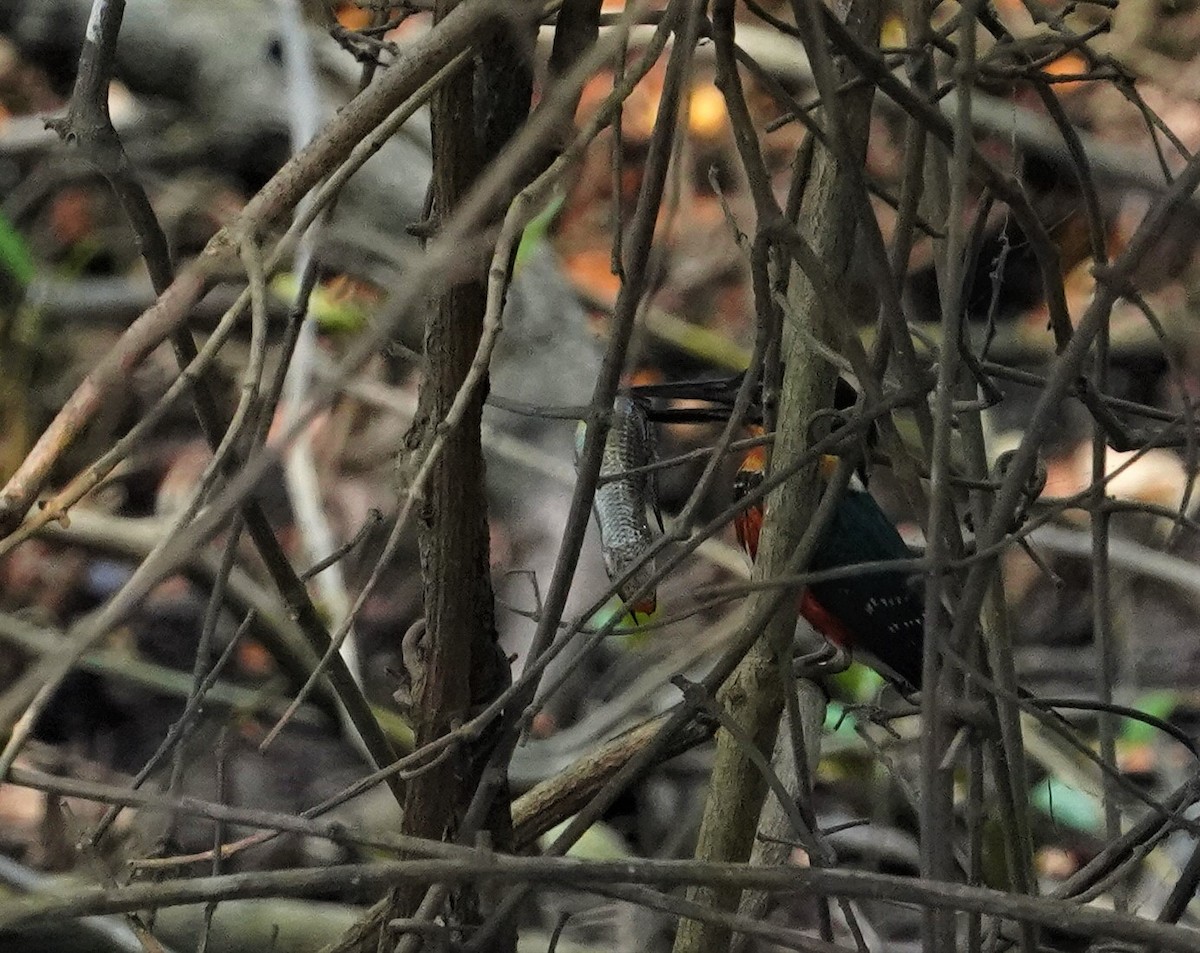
x: 621, y: 505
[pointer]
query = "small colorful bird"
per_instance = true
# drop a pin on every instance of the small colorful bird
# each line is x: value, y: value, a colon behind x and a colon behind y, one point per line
x: 880, y: 613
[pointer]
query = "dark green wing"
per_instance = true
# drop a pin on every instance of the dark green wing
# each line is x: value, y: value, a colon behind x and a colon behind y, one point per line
x: 883, y: 612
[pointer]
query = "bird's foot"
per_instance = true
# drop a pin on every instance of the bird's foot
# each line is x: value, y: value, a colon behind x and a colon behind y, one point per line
x: 876, y: 714
x: 829, y: 659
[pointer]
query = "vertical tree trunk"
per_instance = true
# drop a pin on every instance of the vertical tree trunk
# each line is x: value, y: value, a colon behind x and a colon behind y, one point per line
x: 461, y: 665
x: 754, y: 693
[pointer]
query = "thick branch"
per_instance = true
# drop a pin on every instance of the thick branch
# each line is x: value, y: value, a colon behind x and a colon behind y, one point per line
x: 579, y: 874
x: 462, y: 665
x: 754, y: 695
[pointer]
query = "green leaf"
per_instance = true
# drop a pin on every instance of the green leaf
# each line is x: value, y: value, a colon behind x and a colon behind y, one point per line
x: 599, y: 842
x: 859, y: 682
x: 1160, y: 704
x: 837, y: 721
x: 15, y: 256
x: 333, y: 316
x: 536, y: 231
x: 396, y: 727
x: 1067, y: 805
x: 627, y: 629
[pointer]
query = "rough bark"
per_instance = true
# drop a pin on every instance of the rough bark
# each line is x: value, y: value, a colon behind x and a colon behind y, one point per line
x: 754, y: 694
x: 461, y: 664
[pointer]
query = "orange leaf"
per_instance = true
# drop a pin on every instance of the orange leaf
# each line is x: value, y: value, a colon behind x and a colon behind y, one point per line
x: 594, y: 92
x: 1069, y: 64
x: 643, y: 376
x: 346, y: 289
x: 591, y: 271
x: 618, y: 6
x: 254, y: 659
x: 71, y: 216
x: 352, y: 17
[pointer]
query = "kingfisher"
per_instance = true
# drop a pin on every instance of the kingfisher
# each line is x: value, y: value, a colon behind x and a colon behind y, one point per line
x: 879, y: 614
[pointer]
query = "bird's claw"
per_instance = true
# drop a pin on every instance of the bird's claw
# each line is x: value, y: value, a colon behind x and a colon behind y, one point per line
x: 876, y: 715
x: 829, y: 659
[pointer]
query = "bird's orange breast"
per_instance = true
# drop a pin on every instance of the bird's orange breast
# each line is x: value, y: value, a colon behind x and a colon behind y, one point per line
x: 748, y: 526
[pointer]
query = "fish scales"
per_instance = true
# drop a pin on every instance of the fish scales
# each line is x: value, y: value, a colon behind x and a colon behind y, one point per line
x: 620, y: 505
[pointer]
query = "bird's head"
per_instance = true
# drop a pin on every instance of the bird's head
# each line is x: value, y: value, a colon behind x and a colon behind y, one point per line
x: 748, y: 522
